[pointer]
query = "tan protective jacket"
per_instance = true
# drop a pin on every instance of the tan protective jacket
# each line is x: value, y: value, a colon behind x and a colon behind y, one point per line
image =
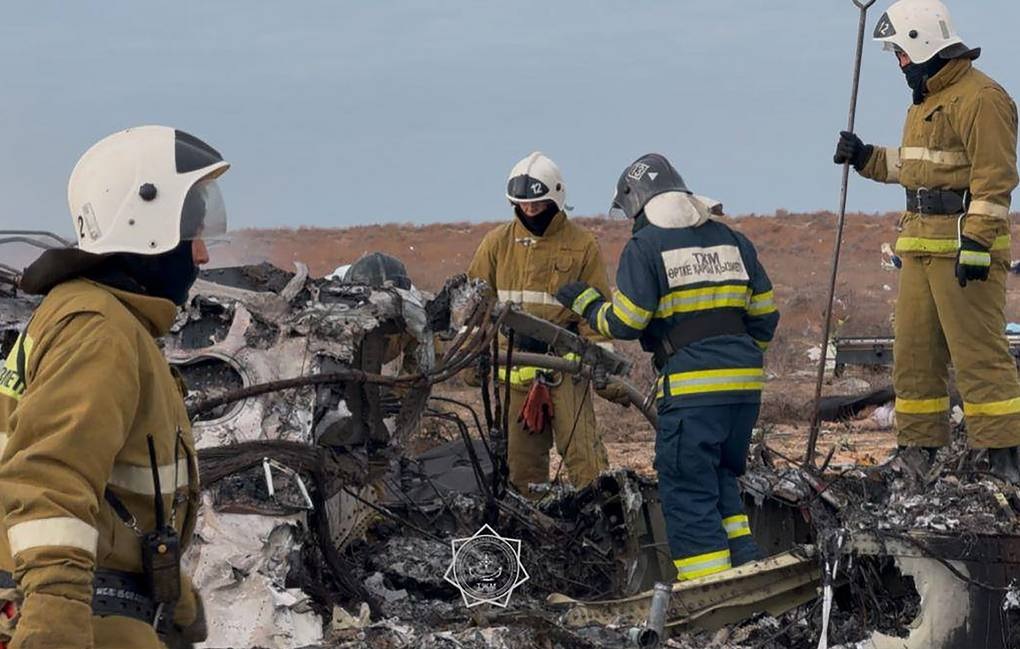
x: 963, y: 136
x: 97, y: 385
x: 528, y: 270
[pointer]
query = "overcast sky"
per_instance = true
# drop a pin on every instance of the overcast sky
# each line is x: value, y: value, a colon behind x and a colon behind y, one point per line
x: 338, y: 113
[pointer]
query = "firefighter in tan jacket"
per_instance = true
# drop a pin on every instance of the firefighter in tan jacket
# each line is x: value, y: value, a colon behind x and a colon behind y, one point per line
x: 525, y: 261
x: 957, y: 162
x: 84, y: 390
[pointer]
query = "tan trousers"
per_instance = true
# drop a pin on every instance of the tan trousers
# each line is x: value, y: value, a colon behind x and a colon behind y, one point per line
x: 118, y: 632
x: 938, y: 321
x: 584, y: 454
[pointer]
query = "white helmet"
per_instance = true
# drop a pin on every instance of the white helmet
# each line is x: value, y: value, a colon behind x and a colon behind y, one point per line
x: 536, y: 178
x: 922, y: 29
x: 144, y: 190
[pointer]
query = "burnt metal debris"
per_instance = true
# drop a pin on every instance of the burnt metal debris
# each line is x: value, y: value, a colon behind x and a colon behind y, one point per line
x: 329, y: 511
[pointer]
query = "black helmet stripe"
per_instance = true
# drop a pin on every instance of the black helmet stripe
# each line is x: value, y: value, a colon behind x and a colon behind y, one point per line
x: 191, y: 153
x: 884, y: 28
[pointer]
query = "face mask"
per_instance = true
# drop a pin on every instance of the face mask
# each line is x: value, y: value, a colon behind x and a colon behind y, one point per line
x: 538, y: 224
x: 918, y: 75
x: 169, y: 275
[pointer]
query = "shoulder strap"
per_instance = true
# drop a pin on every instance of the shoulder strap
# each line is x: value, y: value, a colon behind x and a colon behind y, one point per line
x: 121, y: 510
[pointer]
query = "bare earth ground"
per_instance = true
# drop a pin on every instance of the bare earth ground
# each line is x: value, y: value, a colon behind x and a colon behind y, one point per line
x: 796, y: 250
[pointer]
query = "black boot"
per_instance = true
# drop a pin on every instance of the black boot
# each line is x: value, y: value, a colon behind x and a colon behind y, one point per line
x: 1004, y: 463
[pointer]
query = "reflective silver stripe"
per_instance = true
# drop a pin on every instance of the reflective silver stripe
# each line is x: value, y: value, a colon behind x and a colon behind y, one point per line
x: 988, y: 208
x: 931, y: 155
x: 606, y: 345
x: 671, y: 302
x: 629, y: 316
x: 584, y: 300
x: 138, y: 479
x: 63, y: 531
x: 527, y: 297
x: 736, y: 526
x: 892, y: 164
x: 715, y: 380
x: 702, y: 568
x: 762, y: 304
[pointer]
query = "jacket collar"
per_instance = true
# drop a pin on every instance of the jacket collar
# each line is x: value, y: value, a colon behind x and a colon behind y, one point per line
x: 947, y: 76
x: 155, y: 313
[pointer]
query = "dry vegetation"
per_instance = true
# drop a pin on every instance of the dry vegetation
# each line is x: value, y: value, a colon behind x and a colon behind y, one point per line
x: 796, y: 249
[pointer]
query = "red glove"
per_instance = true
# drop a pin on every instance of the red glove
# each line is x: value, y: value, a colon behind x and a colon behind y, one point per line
x: 9, y: 611
x: 537, y: 411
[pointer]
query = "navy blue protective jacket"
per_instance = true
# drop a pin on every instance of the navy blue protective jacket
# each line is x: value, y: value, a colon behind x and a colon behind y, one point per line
x: 669, y: 276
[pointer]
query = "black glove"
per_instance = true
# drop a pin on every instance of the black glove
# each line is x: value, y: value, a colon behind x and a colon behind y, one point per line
x: 972, y: 261
x: 578, y: 297
x: 852, y: 149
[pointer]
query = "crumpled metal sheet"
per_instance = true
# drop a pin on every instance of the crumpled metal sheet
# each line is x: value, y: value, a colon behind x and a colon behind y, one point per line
x: 240, y: 563
x: 267, y: 325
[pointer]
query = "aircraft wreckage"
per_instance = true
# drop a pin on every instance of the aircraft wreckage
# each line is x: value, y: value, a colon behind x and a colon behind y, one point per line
x: 328, y: 521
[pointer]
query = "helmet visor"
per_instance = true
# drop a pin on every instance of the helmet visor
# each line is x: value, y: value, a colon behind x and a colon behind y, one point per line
x: 204, y: 215
x: 525, y: 189
x: 616, y: 210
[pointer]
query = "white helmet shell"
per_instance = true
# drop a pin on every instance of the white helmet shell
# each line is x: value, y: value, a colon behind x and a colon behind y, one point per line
x: 921, y: 28
x: 144, y: 190
x: 536, y: 178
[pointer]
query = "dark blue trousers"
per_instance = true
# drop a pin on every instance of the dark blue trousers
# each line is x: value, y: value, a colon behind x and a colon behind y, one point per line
x: 699, y: 453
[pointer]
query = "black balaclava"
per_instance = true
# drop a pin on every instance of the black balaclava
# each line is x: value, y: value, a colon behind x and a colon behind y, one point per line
x: 640, y: 221
x: 169, y: 275
x: 918, y: 75
x: 538, y: 224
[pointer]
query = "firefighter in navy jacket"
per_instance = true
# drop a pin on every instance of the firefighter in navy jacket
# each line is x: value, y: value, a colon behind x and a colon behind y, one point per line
x: 694, y: 293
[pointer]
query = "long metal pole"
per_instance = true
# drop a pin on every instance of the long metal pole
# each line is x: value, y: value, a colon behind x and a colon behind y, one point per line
x: 809, y: 457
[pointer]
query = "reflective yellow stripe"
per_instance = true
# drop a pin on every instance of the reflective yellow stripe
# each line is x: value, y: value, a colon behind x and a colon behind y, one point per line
x: 934, y: 156
x: 518, y: 375
x: 993, y: 409
x: 919, y: 244
x: 62, y: 531
x: 138, y: 479
x: 739, y: 379
x: 629, y: 313
x: 762, y: 304
x: 892, y: 164
x: 12, y: 384
x: 762, y: 345
x: 700, y: 299
x: 975, y: 258
x: 922, y: 406
x: 601, y: 322
x: 659, y: 393
x: 736, y: 526
x: 988, y: 208
x: 584, y: 300
x: 701, y: 565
